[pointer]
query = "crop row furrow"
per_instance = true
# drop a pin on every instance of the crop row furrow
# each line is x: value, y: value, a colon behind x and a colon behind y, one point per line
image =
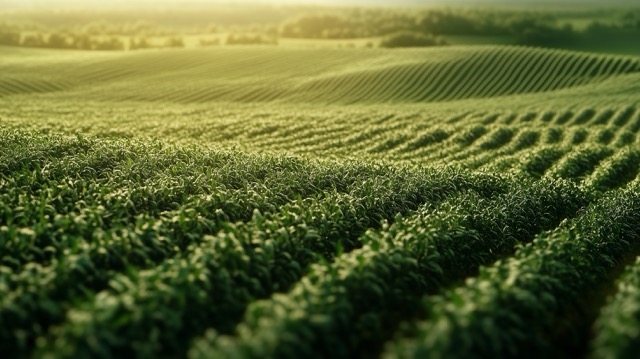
x: 296, y: 237
x: 346, y: 308
x: 516, y: 306
x: 580, y: 162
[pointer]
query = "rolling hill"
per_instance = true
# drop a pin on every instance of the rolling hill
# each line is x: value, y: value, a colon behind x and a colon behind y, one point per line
x: 467, y: 201
x: 315, y: 76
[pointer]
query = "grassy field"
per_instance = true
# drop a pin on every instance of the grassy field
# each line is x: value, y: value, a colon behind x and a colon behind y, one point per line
x: 290, y: 202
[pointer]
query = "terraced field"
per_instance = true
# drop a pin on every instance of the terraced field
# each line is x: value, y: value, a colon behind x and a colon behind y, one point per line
x: 356, y: 203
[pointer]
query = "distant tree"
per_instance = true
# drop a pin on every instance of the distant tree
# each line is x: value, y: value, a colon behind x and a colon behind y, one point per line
x: 547, y: 36
x: 57, y: 41
x: 33, y: 40
x: 174, y: 42
x: 140, y: 43
x: 447, y: 23
x: 82, y: 42
x: 630, y: 19
x: 112, y: 43
x: 597, y: 27
x: 411, y: 39
x: 10, y: 38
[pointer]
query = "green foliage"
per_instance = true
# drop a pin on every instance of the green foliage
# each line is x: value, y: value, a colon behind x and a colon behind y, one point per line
x: 174, y: 42
x: 152, y: 212
x: 510, y: 309
x: 617, y: 326
x: 347, y: 307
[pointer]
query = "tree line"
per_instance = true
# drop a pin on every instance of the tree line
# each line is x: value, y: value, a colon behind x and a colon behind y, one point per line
x: 525, y: 27
x: 398, y: 28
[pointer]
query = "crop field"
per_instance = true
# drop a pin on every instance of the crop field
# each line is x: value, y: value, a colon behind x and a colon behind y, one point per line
x: 265, y: 202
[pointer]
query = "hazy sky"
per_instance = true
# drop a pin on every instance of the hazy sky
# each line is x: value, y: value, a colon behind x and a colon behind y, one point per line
x: 101, y: 3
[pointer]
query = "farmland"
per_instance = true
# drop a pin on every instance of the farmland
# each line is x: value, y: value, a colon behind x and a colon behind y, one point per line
x: 260, y: 202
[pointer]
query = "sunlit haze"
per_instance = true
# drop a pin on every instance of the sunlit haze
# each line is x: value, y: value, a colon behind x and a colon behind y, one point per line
x: 7, y: 4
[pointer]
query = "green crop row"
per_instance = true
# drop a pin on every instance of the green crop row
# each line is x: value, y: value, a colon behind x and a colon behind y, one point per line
x: 348, y: 307
x: 618, y: 326
x: 85, y: 214
x: 518, y: 306
x: 78, y: 185
x: 394, y: 133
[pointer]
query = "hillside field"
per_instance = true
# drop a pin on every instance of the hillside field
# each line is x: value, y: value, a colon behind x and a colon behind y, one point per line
x: 288, y: 202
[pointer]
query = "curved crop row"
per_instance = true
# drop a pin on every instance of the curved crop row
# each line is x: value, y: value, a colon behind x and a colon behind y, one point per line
x: 485, y: 72
x: 12, y: 86
x: 346, y: 308
x: 142, y: 206
x: 297, y: 235
x: 618, y: 170
x: 536, y: 163
x: 580, y: 162
x: 617, y: 334
x: 338, y: 76
x: 514, y: 308
x: 275, y: 249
